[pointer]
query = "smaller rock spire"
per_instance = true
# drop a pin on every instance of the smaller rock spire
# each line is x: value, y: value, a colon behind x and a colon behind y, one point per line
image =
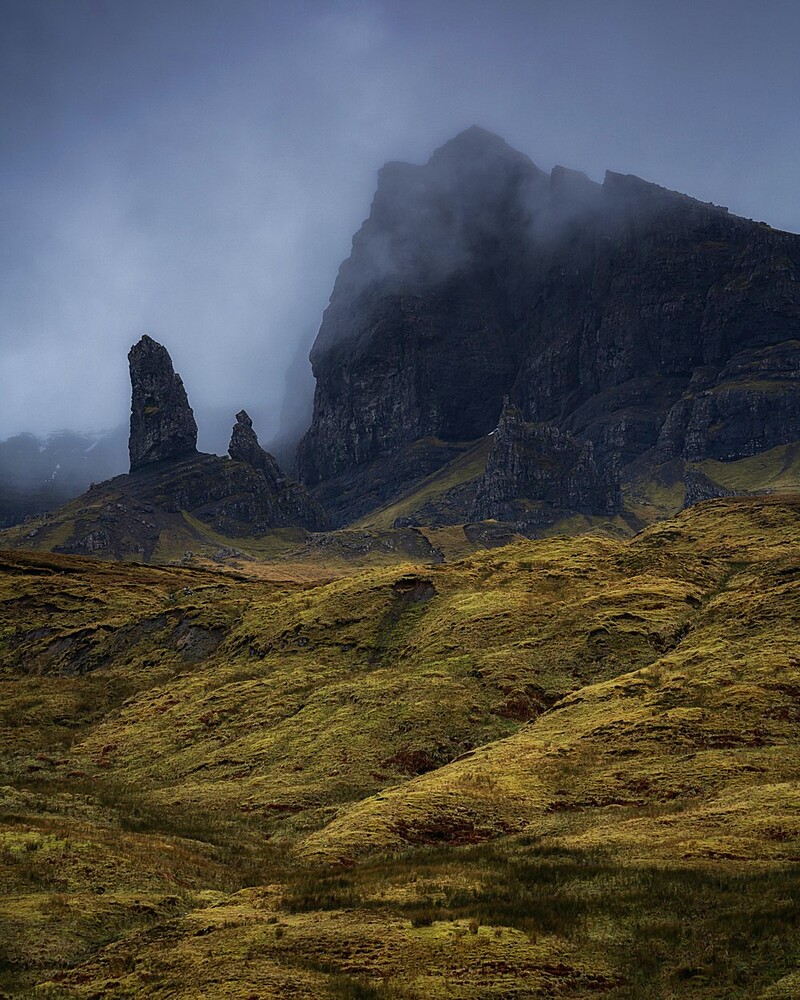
x: 162, y: 422
x: 244, y: 447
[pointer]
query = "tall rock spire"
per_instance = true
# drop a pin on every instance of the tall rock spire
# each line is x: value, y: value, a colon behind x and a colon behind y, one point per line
x: 162, y: 422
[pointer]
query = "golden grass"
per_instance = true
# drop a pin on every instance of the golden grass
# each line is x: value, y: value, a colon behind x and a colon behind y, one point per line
x: 214, y: 784
x: 465, y: 468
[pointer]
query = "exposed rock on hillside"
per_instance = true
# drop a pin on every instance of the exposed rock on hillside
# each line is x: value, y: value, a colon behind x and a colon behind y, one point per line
x: 279, y: 502
x: 698, y: 487
x: 244, y: 447
x: 130, y: 515
x: 413, y: 344
x: 139, y: 515
x: 162, y: 422
x: 750, y: 405
x: 633, y: 318
x: 536, y: 469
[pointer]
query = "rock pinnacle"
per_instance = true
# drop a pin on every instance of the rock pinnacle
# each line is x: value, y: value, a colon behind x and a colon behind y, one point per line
x: 162, y: 422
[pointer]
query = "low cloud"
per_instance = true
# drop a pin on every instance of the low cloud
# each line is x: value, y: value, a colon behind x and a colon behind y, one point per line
x: 196, y: 170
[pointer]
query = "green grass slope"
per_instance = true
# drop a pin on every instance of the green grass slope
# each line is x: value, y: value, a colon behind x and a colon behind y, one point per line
x: 565, y: 767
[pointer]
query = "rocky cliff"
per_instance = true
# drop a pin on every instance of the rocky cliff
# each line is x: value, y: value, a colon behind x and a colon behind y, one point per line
x: 636, y: 320
x: 173, y: 491
x: 536, y: 470
x: 162, y: 422
x: 273, y: 500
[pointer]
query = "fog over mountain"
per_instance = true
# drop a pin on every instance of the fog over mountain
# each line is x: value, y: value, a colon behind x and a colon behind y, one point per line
x: 196, y: 169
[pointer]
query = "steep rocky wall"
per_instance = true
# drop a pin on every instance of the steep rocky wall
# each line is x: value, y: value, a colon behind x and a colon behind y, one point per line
x: 417, y: 340
x: 162, y: 422
x: 604, y: 310
x: 533, y: 469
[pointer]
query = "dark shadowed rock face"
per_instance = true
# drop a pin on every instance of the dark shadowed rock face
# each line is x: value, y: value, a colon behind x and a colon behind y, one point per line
x: 413, y: 343
x: 276, y: 501
x: 162, y: 422
x: 533, y: 469
x: 134, y: 514
x: 244, y: 447
x: 698, y: 487
x: 232, y: 497
x: 750, y: 404
x: 629, y: 317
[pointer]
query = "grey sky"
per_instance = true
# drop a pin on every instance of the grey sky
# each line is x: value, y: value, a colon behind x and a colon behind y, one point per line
x: 195, y: 169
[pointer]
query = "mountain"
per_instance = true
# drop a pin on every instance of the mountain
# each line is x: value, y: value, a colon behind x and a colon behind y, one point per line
x: 507, y: 350
x: 40, y: 474
x: 423, y: 754
x: 627, y: 324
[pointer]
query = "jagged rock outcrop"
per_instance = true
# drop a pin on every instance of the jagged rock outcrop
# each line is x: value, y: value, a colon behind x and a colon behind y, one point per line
x: 698, y: 487
x: 279, y: 501
x: 172, y: 488
x: 163, y: 427
x: 616, y: 313
x: 244, y: 447
x: 137, y: 515
x: 749, y: 405
x: 536, y: 469
x: 245, y: 494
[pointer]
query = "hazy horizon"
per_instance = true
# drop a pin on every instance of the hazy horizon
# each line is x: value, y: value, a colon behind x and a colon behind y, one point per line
x: 196, y: 169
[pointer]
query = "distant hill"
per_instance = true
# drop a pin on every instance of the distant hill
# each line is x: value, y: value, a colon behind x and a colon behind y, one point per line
x: 39, y: 474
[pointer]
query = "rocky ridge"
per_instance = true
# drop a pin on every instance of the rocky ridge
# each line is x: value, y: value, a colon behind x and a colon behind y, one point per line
x: 636, y: 320
x: 534, y: 471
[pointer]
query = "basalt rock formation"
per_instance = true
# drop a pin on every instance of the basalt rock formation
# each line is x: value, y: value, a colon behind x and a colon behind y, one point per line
x: 245, y: 494
x: 534, y: 470
x: 749, y: 405
x: 639, y: 321
x: 174, y: 491
x: 277, y: 501
x: 244, y: 447
x: 162, y: 422
x: 698, y: 487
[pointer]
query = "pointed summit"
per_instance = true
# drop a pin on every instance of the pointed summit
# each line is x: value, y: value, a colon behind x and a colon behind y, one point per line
x: 162, y: 422
x: 478, y: 150
x: 244, y: 447
x: 476, y: 140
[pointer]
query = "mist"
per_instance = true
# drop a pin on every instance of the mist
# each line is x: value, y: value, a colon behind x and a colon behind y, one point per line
x: 196, y: 169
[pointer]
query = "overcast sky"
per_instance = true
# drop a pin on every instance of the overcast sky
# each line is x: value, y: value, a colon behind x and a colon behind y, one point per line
x: 195, y: 169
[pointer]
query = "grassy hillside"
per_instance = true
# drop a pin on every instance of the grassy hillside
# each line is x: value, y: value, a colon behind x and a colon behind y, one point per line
x: 428, y: 523
x: 565, y: 767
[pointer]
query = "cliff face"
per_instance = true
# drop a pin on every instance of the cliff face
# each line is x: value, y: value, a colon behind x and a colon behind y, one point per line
x: 416, y: 341
x: 631, y: 318
x: 534, y: 470
x: 162, y: 422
